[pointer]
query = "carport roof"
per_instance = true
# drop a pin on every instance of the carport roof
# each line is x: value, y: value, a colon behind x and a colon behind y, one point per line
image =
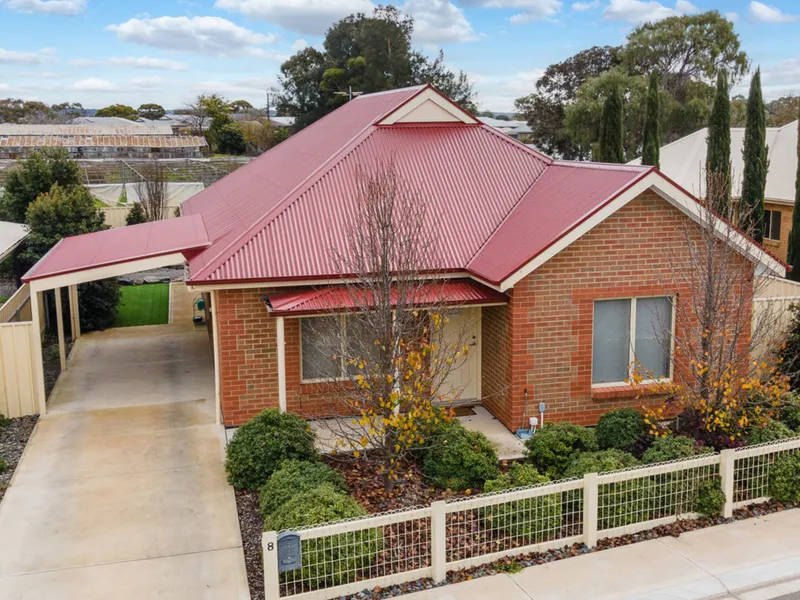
x: 184, y: 235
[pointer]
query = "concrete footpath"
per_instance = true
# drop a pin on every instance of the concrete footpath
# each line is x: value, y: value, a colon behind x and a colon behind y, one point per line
x: 755, y: 559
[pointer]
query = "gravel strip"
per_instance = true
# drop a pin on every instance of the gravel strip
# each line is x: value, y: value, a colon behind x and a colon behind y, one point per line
x: 13, y: 438
x: 251, y: 525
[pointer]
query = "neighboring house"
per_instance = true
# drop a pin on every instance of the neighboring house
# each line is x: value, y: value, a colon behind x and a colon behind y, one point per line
x: 684, y: 162
x: 93, y: 140
x: 507, y: 127
x: 552, y: 265
x: 11, y: 236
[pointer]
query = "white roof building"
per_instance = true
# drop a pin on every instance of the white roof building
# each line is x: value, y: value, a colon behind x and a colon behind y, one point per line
x: 11, y: 236
x: 684, y: 162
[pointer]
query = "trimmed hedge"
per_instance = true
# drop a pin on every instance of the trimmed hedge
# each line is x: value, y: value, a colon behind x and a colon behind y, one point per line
x: 334, y: 559
x: 620, y: 429
x: 668, y: 448
x: 296, y: 477
x: 790, y: 413
x: 534, y: 520
x: 784, y: 478
x: 260, y: 446
x: 461, y: 459
x: 552, y: 448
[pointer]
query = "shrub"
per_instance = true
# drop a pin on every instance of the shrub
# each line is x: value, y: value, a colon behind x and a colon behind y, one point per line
x: 784, y: 478
x: 673, y: 448
x: 135, y: 215
x: 710, y: 499
x: 3, y: 465
x: 790, y: 413
x: 770, y: 431
x: 619, y: 503
x: 260, y: 446
x: 535, y: 519
x: 4, y: 422
x: 433, y: 431
x: 620, y: 429
x: 461, y: 460
x: 334, y: 559
x: 599, y: 462
x: 295, y: 477
x: 553, y: 447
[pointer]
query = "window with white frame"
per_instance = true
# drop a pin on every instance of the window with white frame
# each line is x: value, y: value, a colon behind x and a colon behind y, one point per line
x: 328, y: 342
x: 632, y: 333
x: 772, y: 225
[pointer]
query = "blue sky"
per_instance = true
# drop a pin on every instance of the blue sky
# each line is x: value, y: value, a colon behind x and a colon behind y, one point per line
x: 100, y: 52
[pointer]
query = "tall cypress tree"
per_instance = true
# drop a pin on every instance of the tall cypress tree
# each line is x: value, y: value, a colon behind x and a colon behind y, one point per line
x: 793, y: 256
x: 718, y: 161
x: 651, y: 149
x: 611, y: 147
x: 754, y: 178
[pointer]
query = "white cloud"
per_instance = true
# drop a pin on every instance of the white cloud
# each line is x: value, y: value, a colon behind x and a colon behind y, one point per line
x: 298, y: 45
x: 14, y: 57
x: 208, y: 35
x: 732, y: 17
x: 147, y: 62
x: 48, y: 7
x: 94, y: 84
x: 306, y: 16
x: 498, y: 92
x: 532, y: 10
x: 582, y: 6
x: 148, y: 82
x: 769, y: 14
x: 43, y: 74
x: 644, y: 11
x: 84, y: 62
x: 439, y: 21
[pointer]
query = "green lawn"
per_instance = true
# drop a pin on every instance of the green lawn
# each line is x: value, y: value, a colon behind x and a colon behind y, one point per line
x: 143, y: 305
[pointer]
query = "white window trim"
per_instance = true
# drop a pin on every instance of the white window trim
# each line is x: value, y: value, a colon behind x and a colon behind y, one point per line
x: 632, y: 342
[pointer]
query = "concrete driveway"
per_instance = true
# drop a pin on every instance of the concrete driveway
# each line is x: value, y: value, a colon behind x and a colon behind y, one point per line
x: 121, y: 492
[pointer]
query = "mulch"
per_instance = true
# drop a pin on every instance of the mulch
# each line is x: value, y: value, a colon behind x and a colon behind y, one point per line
x: 412, y: 490
x: 14, y: 435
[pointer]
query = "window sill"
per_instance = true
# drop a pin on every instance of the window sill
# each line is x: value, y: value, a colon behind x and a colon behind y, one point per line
x: 627, y: 391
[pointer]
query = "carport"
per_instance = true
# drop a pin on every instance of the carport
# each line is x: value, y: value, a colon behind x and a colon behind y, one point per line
x: 101, y: 255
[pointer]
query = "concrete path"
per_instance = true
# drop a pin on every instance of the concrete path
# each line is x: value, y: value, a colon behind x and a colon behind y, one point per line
x: 121, y: 492
x: 756, y: 559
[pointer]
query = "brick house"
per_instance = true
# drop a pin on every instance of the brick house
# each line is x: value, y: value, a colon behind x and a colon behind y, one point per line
x: 559, y: 266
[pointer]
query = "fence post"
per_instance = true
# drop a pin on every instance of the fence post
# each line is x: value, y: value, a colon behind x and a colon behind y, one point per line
x: 590, y: 493
x: 439, y: 541
x: 727, y: 470
x: 269, y: 548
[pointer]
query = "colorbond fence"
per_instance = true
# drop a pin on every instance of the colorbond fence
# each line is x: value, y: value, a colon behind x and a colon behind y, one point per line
x: 349, y: 556
x: 17, y: 391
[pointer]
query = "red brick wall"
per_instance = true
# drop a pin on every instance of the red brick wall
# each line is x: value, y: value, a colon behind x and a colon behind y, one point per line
x: 551, y: 310
x: 496, y: 361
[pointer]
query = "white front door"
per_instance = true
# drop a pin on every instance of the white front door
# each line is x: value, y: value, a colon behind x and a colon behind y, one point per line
x: 463, y: 327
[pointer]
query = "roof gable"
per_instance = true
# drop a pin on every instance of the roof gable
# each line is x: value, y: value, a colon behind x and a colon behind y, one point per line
x: 429, y: 106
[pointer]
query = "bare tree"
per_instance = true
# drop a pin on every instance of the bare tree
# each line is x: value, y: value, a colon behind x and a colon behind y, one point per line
x: 716, y: 380
x: 152, y: 190
x: 392, y: 352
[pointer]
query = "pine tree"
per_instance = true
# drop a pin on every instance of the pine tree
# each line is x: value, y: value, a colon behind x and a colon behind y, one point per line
x: 718, y: 162
x: 651, y: 150
x: 793, y: 256
x: 754, y: 178
x: 611, y: 147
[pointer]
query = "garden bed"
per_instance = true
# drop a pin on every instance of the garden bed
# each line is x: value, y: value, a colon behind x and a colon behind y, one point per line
x: 14, y: 436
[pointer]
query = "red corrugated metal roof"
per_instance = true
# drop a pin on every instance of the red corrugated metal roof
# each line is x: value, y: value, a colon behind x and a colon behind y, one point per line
x: 566, y: 195
x: 340, y: 298
x: 492, y: 201
x: 115, y: 246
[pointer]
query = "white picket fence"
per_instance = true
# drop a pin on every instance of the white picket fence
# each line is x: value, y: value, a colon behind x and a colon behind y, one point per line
x: 349, y: 556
